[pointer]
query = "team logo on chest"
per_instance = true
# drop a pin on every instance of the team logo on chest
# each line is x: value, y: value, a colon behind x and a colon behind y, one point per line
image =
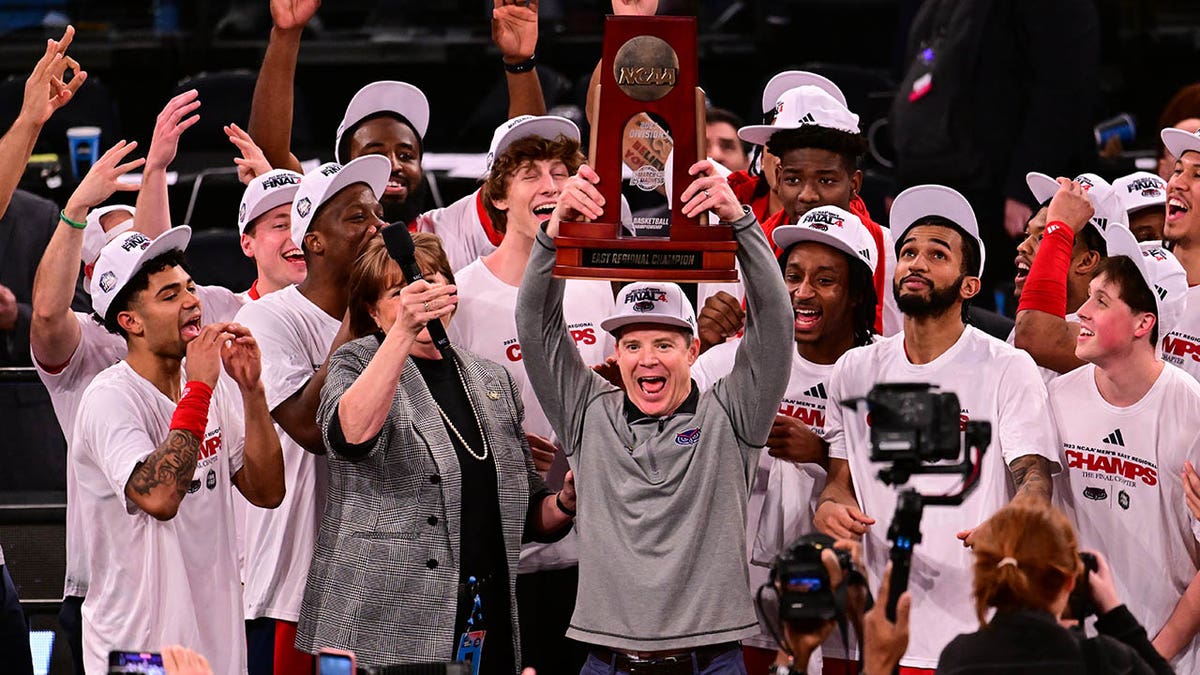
x: 688, y: 437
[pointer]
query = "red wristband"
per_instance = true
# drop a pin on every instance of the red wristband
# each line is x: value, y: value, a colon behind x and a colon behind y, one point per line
x: 1046, y: 287
x: 191, y: 413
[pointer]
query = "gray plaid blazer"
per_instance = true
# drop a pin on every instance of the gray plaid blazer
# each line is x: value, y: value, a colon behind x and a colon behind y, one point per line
x: 384, y: 576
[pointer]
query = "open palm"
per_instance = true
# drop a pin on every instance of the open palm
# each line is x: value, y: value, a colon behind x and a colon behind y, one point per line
x: 515, y: 29
x: 292, y: 14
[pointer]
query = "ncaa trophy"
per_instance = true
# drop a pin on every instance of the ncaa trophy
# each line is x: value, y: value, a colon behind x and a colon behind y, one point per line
x: 648, y: 94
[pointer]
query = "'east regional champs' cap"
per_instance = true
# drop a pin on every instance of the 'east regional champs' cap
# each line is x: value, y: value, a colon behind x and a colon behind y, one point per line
x: 322, y: 183
x: 272, y: 189
x: 833, y: 227
x: 651, y: 302
x: 921, y: 201
x: 122, y: 257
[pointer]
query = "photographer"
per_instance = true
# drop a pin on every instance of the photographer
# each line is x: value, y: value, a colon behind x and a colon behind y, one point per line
x: 884, y: 642
x: 1026, y: 565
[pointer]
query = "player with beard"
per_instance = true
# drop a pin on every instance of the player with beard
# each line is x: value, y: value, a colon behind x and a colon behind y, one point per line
x: 156, y: 450
x: 828, y: 268
x: 1181, y: 347
x: 1127, y: 424
x: 390, y: 118
x: 335, y: 211
x: 939, y: 259
x: 531, y: 159
x: 1052, y: 286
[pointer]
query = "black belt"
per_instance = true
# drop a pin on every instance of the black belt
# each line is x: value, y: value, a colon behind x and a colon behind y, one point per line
x: 671, y: 663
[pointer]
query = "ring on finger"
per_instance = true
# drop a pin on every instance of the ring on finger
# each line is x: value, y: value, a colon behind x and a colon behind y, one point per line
x: 427, y: 309
x: 706, y: 194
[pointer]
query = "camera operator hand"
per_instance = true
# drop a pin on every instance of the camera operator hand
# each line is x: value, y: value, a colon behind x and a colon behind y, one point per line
x: 884, y: 642
x: 802, y: 640
x: 1104, y: 589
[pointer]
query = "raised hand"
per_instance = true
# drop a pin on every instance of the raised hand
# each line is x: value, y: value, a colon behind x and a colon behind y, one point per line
x: 103, y: 179
x: 515, y: 29
x: 579, y: 200
x: 885, y: 642
x: 241, y: 357
x: 45, y: 90
x: 169, y: 126
x: 253, y: 163
x: 635, y: 7
x: 204, y: 353
x: 710, y: 192
x: 293, y: 14
x: 1070, y: 205
x: 421, y: 302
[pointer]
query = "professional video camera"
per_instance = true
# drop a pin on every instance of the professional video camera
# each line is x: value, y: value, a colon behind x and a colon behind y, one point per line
x: 919, y: 430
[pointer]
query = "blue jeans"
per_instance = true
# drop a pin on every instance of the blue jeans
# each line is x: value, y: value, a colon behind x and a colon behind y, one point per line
x: 727, y: 663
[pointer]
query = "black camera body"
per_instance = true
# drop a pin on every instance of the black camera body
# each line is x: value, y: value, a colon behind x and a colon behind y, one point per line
x: 804, y: 589
x: 913, y: 422
x: 1080, y: 604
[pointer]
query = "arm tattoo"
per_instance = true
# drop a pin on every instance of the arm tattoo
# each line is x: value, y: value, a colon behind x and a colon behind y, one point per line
x: 172, y: 464
x: 1031, y: 475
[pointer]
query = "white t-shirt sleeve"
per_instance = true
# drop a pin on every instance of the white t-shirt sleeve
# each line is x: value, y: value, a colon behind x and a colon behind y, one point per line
x: 286, y: 367
x: 117, y: 437
x: 835, y: 414
x: 1025, y: 426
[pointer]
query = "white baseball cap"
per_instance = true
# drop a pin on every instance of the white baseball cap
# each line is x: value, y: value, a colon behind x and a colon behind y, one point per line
x: 322, y: 183
x: 389, y: 96
x: 1105, y: 202
x: 274, y: 188
x: 1179, y: 141
x: 790, y: 79
x: 833, y: 227
x: 94, y: 236
x: 1160, y: 270
x: 1140, y: 190
x: 921, y: 201
x: 525, y: 126
x: 659, y: 302
x: 803, y: 106
x: 121, y: 258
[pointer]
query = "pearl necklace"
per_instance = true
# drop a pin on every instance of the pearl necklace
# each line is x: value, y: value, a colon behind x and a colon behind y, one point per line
x: 446, y: 418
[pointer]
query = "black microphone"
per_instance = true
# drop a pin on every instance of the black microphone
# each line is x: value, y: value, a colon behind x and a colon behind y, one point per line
x: 400, y: 247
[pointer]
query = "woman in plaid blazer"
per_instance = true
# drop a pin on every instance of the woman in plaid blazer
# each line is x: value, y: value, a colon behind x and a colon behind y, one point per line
x: 431, y: 485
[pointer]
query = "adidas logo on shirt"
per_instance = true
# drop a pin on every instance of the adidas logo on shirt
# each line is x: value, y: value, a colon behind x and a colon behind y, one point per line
x: 817, y: 391
x: 1115, y: 438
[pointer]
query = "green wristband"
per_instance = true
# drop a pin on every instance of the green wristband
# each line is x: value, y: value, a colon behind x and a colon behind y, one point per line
x: 62, y: 215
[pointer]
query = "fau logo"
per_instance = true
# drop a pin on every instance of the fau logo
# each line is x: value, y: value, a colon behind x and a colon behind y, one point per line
x: 688, y: 437
x: 1178, y: 346
x: 581, y: 336
x: 1114, y: 466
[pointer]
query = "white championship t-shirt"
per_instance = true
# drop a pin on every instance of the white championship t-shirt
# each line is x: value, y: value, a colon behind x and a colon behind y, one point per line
x: 1047, y: 374
x: 1122, y: 488
x: 156, y: 583
x: 461, y: 227
x: 1181, y: 347
x: 994, y: 383
x: 784, y: 495
x: 486, y: 325
x: 98, y: 349
x: 294, y: 335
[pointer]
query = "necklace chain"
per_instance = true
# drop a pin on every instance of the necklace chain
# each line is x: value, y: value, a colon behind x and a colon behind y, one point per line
x: 453, y: 429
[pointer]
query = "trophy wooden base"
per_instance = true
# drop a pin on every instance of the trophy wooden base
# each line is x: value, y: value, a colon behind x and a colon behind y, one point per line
x: 704, y: 253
